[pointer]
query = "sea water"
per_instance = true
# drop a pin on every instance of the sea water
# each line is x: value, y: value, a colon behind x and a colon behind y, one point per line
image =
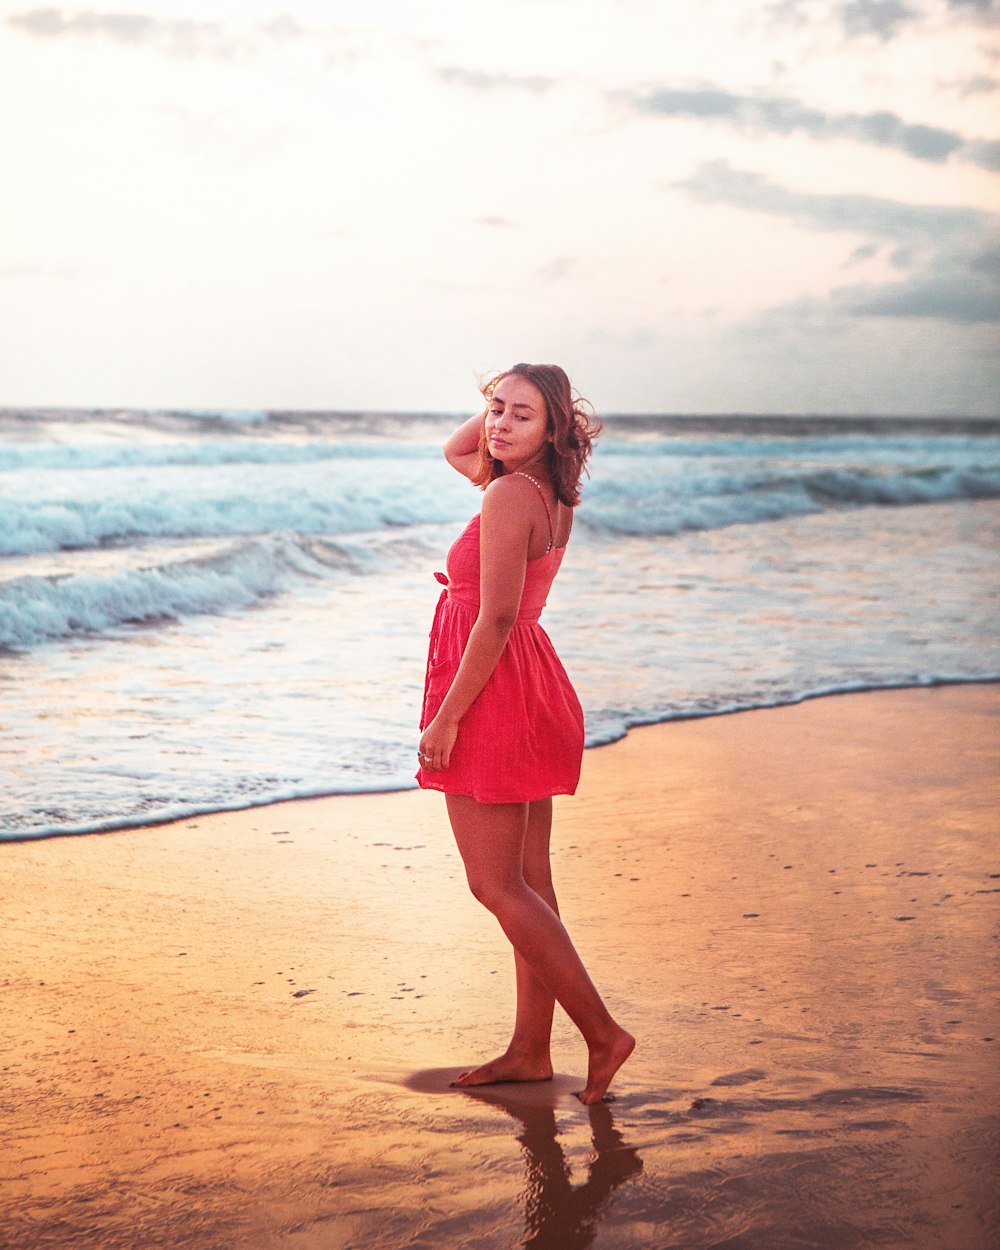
x: 202, y: 610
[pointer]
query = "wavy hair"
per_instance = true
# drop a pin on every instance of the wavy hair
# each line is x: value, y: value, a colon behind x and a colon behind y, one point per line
x: 571, y: 423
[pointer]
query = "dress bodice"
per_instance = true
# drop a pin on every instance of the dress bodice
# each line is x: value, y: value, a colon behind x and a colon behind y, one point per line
x: 462, y: 578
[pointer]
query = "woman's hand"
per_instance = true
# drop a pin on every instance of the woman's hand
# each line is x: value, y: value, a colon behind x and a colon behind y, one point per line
x: 437, y: 743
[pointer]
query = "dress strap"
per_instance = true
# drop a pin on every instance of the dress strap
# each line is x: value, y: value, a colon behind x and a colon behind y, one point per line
x: 548, y: 511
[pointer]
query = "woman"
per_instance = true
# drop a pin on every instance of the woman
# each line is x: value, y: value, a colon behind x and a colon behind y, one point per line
x: 502, y: 726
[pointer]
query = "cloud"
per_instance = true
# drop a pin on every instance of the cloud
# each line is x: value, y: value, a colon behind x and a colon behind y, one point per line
x: 982, y: 8
x: 932, y: 294
x: 876, y: 17
x: 984, y: 152
x: 979, y: 84
x: 284, y: 26
x: 483, y: 80
x: 783, y: 115
x: 717, y: 182
x: 883, y: 19
x: 125, y: 27
x: 181, y: 37
x: 950, y: 253
x: 556, y: 269
x: 864, y: 251
x: 177, y: 36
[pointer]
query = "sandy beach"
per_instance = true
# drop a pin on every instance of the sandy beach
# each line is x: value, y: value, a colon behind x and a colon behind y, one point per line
x: 239, y: 1030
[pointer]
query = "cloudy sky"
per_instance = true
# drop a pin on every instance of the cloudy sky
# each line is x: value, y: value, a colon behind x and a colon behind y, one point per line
x: 773, y: 206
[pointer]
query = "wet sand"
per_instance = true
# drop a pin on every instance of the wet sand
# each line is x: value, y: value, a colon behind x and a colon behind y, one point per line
x: 239, y: 1030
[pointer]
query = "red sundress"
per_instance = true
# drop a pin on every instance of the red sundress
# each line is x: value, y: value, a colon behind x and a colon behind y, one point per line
x: 522, y: 737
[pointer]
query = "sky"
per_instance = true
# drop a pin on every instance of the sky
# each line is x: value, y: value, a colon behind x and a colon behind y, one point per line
x: 773, y: 206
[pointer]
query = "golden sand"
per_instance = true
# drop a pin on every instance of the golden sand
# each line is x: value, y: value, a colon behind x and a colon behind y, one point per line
x: 238, y: 1030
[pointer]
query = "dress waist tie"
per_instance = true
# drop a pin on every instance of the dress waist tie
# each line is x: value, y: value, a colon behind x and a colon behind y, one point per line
x: 432, y: 649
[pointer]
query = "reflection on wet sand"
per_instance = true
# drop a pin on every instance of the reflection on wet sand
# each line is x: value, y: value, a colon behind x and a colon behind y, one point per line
x: 558, y: 1214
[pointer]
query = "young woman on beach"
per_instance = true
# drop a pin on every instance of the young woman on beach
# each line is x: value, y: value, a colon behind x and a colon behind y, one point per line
x: 502, y: 726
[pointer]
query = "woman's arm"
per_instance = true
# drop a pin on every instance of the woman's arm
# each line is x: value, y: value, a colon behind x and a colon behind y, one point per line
x: 462, y: 449
x: 505, y: 529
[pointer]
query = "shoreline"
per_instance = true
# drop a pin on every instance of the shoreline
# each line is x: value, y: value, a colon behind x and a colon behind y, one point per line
x: 239, y: 1028
x: 195, y: 811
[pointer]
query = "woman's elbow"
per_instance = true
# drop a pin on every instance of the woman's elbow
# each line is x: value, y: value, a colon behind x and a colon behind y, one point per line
x: 501, y: 623
x: 462, y: 462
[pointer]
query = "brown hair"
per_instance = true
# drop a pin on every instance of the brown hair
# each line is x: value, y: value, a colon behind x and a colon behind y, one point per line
x: 571, y: 423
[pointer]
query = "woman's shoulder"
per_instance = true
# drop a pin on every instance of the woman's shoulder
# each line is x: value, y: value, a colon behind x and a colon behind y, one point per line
x: 509, y: 491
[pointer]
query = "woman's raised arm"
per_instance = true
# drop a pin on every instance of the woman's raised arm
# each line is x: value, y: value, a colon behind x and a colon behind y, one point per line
x: 462, y: 449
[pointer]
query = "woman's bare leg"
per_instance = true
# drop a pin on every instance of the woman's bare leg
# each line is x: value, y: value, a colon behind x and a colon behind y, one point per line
x: 491, y: 838
x: 528, y: 1056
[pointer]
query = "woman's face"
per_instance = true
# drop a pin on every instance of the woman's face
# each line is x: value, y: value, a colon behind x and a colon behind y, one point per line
x: 517, y: 427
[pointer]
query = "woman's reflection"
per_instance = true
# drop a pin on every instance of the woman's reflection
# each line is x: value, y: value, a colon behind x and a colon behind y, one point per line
x: 559, y: 1215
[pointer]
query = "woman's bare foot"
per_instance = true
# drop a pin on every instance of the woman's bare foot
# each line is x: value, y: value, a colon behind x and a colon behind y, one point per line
x: 508, y: 1067
x: 604, y: 1063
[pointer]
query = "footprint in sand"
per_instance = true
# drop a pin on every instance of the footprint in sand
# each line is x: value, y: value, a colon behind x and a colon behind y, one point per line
x: 746, y: 1077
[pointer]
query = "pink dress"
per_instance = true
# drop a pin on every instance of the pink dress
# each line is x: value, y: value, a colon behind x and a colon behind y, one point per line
x: 522, y: 738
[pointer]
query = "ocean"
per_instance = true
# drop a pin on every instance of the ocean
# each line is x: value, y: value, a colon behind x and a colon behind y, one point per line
x: 203, y: 611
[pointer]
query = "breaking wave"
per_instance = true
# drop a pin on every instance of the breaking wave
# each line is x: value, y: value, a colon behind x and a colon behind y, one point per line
x: 37, y: 609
